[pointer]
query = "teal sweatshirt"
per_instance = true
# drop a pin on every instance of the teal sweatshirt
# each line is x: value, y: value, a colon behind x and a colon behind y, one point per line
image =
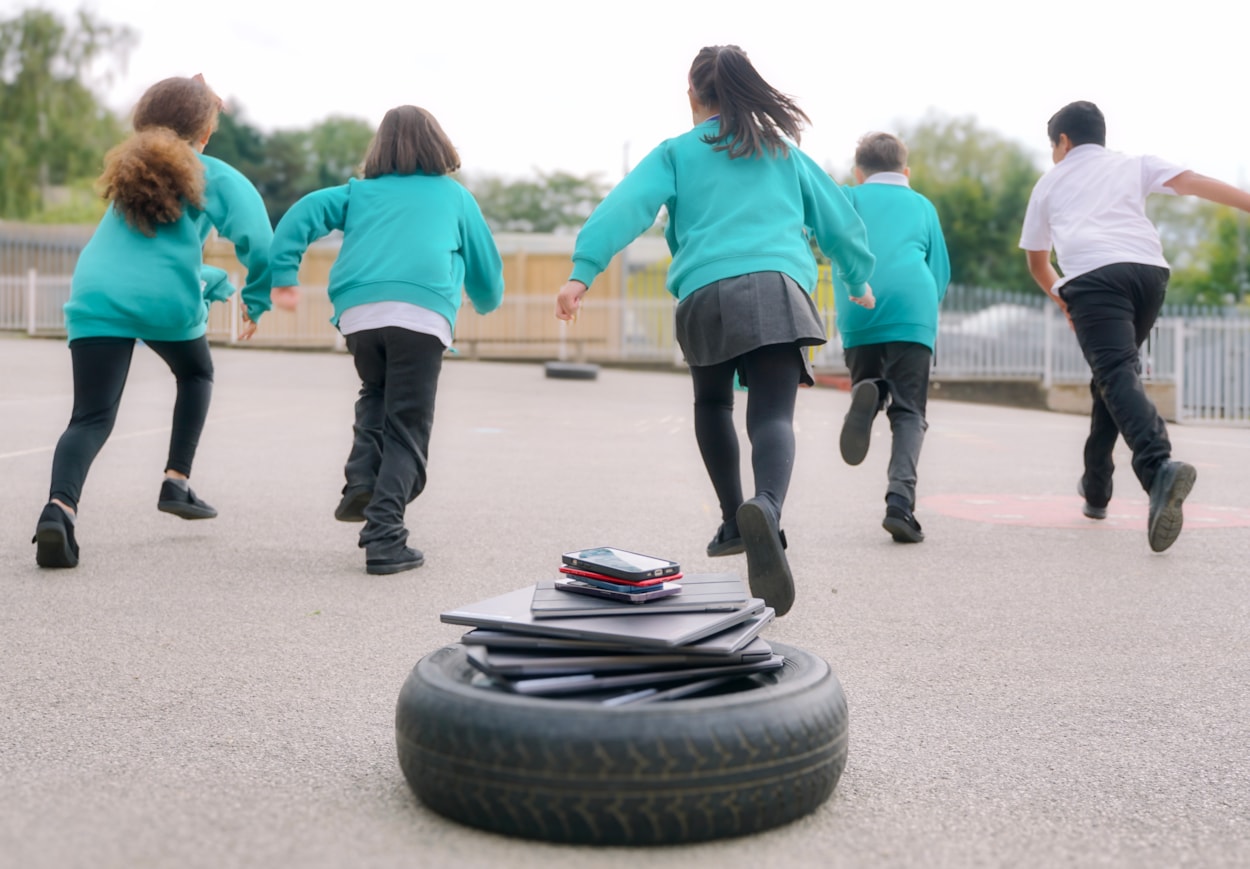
x: 727, y: 217
x: 406, y: 238
x: 127, y: 285
x: 913, y: 267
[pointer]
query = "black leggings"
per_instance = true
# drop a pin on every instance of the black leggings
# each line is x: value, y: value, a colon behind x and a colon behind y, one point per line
x: 774, y: 373
x: 101, y: 366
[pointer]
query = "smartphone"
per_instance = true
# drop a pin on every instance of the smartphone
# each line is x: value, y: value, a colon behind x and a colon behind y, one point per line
x: 621, y: 563
x: 622, y: 584
x: 667, y: 589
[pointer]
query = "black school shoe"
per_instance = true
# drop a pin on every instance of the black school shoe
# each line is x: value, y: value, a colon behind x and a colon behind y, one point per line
x: 352, y: 506
x: 183, y: 502
x: 1090, y: 510
x: 1171, y: 485
x: 407, y: 559
x: 768, y: 572
x: 54, y: 541
x: 857, y: 424
x: 902, y: 525
x: 726, y: 542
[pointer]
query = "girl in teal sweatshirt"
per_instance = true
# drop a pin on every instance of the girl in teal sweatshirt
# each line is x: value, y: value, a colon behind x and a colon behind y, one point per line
x: 414, y: 242
x: 744, y: 204
x: 142, y: 276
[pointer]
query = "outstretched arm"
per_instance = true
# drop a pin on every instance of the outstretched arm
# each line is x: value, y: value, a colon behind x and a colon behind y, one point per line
x: 1190, y: 183
x: 1046, y: 276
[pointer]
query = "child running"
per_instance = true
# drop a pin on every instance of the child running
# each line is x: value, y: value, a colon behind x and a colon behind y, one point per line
x: 1091, y: 209
x: 142, y: 277
x: 741, y: 200
x: 414, y: 241
x: 889, y: 349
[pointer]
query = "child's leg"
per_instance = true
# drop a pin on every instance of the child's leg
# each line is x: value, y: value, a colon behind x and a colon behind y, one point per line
x: 907, y: 375
x: 773, y: 374
x: 868, y: 394
x: 361, y: 469
x: 100, y: 367
x: 1099, y: 464
x: 717, y: 438
x: 192, y: 366
x: 408, y: 364
x: 1113, y: 310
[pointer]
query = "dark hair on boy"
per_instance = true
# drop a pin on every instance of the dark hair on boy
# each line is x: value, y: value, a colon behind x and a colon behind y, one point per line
x: 153, y: 175
x: 409, y: 140
x: 880, y: 152
x: 1082, y: 122
x: 753, y: 114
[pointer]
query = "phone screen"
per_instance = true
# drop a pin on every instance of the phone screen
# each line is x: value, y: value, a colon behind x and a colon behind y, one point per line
x: 621, y: 559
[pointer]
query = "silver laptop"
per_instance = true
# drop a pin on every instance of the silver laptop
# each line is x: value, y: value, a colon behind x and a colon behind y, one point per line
x: 699, y: 592
x: 511, y: 612
x: 517, y: 663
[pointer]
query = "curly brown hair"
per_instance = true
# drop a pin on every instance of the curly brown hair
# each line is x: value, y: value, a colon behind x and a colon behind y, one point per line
x: 153, y: 175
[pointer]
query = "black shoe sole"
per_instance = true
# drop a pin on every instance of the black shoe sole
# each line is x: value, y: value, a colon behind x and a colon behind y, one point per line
x: 353, y: 509
x: 726, y: 547
x: 183, y: 510
x: 52, y: 547
x: 768, y: 572
x: 857, y: 426
x: 1165, y: 526
x: 1092, y: 512
x: 388, y: 567
x: 901, y: 531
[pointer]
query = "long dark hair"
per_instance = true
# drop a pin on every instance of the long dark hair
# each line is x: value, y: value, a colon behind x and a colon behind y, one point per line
x: 410, y: 140
x: 753, y: 114
x: 155, y: 173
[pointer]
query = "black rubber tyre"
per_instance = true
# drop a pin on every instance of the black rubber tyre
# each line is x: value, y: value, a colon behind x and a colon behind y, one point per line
x: 572, y: 370
x: 564, y: 770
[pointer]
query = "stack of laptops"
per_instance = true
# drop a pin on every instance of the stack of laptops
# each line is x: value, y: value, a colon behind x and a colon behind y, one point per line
x: 546, y: 640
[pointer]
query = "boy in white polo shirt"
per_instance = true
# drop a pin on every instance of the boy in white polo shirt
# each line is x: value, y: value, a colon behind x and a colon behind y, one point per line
x: 1090, y: 208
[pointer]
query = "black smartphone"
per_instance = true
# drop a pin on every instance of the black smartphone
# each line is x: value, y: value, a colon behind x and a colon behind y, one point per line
x: 621, y: 563
x: 652, y: 592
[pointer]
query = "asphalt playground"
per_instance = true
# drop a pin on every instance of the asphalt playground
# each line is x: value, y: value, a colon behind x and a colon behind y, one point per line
x: 1027, y: 688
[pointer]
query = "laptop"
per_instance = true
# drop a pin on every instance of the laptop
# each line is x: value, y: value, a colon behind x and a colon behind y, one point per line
x: 511, y: 612
x: 724, y: 642
x: 578, y: 683
x: 704, y: 592
x: 512, y: 664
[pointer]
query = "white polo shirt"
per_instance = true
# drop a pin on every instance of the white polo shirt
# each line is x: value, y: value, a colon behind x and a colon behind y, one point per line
x: 1091, y: 208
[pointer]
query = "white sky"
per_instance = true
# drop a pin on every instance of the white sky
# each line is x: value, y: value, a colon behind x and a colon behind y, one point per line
x: 582, y: 86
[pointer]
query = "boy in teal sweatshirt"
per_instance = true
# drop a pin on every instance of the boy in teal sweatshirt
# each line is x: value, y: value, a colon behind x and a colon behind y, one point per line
x: 889, y: 348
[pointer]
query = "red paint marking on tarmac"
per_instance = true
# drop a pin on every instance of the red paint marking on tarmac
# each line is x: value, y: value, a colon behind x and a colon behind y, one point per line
x: 1062, y: 511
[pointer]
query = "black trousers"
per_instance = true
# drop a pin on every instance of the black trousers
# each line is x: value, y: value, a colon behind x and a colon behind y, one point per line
x: 774, y: 373
x: 900, y: 370
x: 1113, y: 310
x: 399, y: 372
x: 101, y: 366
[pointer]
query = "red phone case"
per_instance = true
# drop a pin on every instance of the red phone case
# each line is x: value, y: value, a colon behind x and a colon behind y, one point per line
x: 641, y: 583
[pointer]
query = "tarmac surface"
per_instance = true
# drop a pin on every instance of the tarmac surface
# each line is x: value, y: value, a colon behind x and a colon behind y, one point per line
x: 1026, y: 687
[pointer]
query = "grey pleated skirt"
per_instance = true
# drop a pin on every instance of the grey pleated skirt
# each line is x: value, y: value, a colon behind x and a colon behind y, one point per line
x: 729, y: 318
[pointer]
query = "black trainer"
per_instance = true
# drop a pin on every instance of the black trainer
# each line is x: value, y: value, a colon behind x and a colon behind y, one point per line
x: 407, y: 559
x: 1171, y: 486
x: 726, y: 542
x: 352, y: 506
x: 902, y: 525
x: 857, y: 424
x: 182, y: 502
x: 54, y: 541
x: 1090, y: 510
x: 768, y: 571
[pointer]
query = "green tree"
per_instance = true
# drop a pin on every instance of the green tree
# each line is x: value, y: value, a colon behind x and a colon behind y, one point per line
x: 339, y: 145
x: 980, y: 184
x: 554, y: 202
x: 54, y: 130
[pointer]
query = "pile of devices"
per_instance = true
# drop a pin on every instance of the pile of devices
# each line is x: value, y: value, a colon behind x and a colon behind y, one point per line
x: 618, y: 628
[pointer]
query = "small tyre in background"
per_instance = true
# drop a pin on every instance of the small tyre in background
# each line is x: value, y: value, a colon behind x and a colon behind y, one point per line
x: 572, y: 370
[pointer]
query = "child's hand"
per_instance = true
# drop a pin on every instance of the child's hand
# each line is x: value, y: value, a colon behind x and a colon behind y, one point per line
x: 867, y: 300
x: 569, y: 300
x: 286, y: 298
x: 249, y: 325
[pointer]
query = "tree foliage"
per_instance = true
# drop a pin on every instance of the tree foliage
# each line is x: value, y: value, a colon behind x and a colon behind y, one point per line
x: 54, y: 130
x: 552, y: 202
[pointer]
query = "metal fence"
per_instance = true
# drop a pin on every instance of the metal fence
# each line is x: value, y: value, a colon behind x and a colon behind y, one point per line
x: 983, y: 334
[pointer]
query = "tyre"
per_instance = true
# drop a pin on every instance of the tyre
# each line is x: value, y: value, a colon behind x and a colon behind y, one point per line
x: 752, y: 758
x: 572, y: 370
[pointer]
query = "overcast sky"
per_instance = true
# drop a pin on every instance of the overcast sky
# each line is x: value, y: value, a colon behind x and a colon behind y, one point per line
x: 587, y: 86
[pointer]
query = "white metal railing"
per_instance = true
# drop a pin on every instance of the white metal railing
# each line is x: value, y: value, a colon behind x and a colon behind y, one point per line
x: 1205, y: 358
